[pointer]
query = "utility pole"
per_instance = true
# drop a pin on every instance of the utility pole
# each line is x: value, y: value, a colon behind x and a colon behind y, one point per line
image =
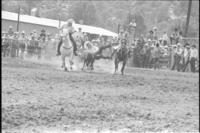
x: 188, y: 17
x: 59, y: 21
x: 18, y: 19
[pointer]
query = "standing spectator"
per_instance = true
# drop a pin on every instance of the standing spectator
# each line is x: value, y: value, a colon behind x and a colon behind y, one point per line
x: 181, y: 37
x: 22, y: 43
x: 193, y: 57
x: 172, y: 38
x: 42, y: 35
x: 176, y: 35
x: 80, y: 37
x: 156, y: 54
x: 160, y: 41
x: 165, y: 38
x: 10, y: 31
x: 35, y: 34
x: 186, y: 57
x: 14, y: 47
x: 5, y: 44
x: 150, y: 35
x: 142, y: 39
x: 148, y: 53
x: 155, y: 33
x: 144, y: 55
x: 177, y: 57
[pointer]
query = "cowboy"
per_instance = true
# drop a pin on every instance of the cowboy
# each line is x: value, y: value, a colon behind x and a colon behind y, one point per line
x: 150, y: 35
x: 156, y: 54
x: 155, y: 33
x: 177, y: 57
x: 186, y: 55
x: 165, y: 38
x: 5, y: 44
x: 14, y: 45
x: 67, y: 28
x: 48, y: 37
x: 143, y: 54
x: 123, y: 42
x: 176, y: 35
x: 22, y: 42
x: 193, y: 57
x: 10, y: 31
x: 42, y: 35
x: 35, y: 34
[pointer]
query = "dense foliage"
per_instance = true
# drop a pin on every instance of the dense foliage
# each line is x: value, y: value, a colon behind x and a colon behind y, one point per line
x: 108, y: 14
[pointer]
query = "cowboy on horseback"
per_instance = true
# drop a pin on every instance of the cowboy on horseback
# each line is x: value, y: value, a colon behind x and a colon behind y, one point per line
x: 67, y: 28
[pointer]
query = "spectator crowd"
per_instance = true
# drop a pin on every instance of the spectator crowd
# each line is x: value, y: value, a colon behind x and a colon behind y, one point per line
x: 148, y: 51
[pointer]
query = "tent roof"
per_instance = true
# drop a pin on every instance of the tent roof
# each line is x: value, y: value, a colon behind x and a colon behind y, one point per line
x: 55, y: 23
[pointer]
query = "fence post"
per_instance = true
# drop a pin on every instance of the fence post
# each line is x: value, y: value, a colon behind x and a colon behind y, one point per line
x: 18, y: 19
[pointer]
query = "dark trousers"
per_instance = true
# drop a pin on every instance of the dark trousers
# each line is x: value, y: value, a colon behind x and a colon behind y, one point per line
x: 176, y: 63
x: 192, y: 64
x: 155, y: 62
x: 144, y: 61
x: 186, y: 62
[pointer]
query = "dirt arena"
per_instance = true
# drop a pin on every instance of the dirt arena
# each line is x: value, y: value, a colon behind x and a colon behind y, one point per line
x: 39, y: 97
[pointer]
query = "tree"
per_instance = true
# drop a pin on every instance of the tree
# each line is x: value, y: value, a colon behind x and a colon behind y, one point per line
x: 84, y: 11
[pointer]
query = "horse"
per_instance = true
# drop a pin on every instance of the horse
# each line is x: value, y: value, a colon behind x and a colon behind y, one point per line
x: 121, y: 55
x: 67, y: 49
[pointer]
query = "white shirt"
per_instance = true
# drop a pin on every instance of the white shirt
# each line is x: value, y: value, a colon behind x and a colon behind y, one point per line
x: 194, y: 53
x: 165, y: 37
x: 179, y: 51
x: 186, y: 52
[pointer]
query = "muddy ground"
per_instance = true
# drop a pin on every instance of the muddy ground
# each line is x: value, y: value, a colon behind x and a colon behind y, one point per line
x: 39, y: 97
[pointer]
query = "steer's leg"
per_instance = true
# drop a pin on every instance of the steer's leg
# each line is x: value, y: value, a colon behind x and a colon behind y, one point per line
x: 123, y: 66
x: 84, y: 64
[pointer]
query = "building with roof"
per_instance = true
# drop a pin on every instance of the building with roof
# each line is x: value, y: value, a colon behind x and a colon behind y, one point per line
x: 30, y: 23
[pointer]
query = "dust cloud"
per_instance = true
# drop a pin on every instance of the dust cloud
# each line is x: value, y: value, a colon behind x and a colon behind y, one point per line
x: 104, y: 66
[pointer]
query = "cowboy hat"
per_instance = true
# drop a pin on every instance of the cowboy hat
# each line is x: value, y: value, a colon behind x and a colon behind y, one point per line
x: 194, y: 46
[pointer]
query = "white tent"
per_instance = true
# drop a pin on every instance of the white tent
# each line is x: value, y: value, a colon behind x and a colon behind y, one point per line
x: 55, y: 23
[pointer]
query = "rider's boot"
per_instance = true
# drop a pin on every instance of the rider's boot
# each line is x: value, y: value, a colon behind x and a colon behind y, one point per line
x: 58, y: 49
x: 73, y: 43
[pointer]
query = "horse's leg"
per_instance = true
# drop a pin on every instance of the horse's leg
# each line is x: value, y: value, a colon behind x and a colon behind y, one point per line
x: 116, y: 65
x: 123, y: 66
x: 71, y: 61
x: 63, y: 63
